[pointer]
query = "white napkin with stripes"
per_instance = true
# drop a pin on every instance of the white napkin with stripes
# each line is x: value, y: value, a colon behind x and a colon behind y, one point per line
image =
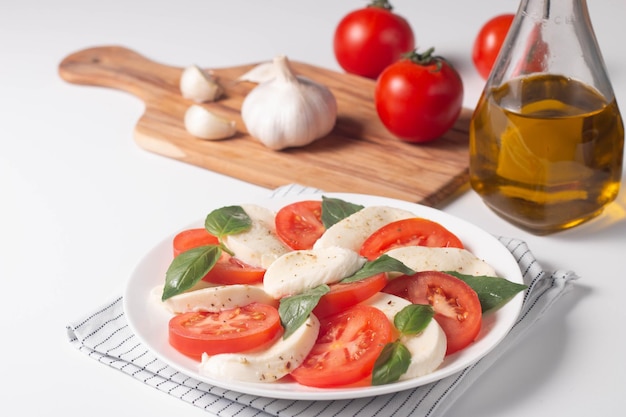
x: 105, y: 336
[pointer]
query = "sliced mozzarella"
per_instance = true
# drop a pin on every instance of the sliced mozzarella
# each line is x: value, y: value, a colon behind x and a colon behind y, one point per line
x: 267, y: 365
x: 258, y: 246
x: 215, y: 299
x: 299, y: 270
x: 427, y: 348
x: 422, y: 258
x: 352, y: 231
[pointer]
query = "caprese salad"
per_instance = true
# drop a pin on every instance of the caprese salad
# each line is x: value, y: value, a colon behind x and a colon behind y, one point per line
x: 324, y: 292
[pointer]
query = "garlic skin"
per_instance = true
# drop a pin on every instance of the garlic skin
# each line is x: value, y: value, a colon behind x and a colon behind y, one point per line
x: 199, y: 85
x: 204, y: 124
x: 289, y: 110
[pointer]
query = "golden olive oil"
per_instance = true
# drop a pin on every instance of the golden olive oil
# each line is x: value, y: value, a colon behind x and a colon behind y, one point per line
x: 546, y: 152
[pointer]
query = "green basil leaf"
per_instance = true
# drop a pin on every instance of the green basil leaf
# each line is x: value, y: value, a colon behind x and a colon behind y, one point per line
x: 493, y: 292
x: 384, y: 263
x: 391, y: 364
x: 228, y: 220
x: 188, y: 268
x: 414, y: 318
x: 294, y: 310
x: 335, y: 209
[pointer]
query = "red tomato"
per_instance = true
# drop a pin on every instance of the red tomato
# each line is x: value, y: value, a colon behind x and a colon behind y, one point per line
x: 227, y: 270
x: 192, y: 238
x: 228, y: 331
x: 368, y: 40
x: 456, y: 304
x: 419, y: 98
x: 488, y: 43
x: 342, y: 296
x: 346, y: 348
x: 299, y: 224
x: 408, y: 232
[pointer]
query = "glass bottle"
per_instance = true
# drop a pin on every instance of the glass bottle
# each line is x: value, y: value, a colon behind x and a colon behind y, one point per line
x: 547, y: 137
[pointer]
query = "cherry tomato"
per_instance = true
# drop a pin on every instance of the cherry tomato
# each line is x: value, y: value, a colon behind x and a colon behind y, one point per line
x: 342, y: 296
x: 419, y: 98
x: 299, y: 224
x: 227, y: 270
x: 488, y: 43
x: 408, y: 232
x: 456, y: 304
x: 369, y: 39
x: 228, y: 331
x: 346, y: 348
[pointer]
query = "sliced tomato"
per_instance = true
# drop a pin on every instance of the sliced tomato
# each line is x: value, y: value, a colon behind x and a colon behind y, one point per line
x: 228, y: 331
x: 398, y: 286
x: 342, y: 296
x: 227, y: 270
x: 408, y: 232
x: 346, y: 348
x: 192, y: 238
x: 299, y: 224
x: 456, y: 304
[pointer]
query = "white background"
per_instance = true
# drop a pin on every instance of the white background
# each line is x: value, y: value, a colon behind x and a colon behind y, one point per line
x: 81, y: 203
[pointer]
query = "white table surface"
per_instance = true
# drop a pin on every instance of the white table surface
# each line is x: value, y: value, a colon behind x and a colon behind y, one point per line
x: 81, y: 202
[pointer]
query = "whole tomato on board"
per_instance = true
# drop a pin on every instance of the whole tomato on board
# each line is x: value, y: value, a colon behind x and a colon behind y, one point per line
x: 367, y: 40
x: 419, y: 97
x: 488, y: 43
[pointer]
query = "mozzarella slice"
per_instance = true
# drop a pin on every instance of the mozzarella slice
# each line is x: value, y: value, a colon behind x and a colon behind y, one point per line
x: 259, y: 246
x: 267, y: 365
x: 352, y: 231
x: 428, y: 348
x: 215, y: 299
x: 300, y: 270
x: 422, y: 258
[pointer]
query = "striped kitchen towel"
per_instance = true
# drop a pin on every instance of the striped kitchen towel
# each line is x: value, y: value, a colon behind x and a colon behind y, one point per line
x: 105, y: 336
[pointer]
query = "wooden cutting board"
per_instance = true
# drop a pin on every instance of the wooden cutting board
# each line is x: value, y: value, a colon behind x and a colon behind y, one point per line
x: 358, y: 156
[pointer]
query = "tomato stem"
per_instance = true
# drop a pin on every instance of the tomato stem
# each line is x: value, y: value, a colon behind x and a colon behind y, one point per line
x: 383, y: 4
x: 424, y: 59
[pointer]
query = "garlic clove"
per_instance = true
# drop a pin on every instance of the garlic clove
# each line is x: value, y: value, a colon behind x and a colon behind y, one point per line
x: 199, y: 85
x: 260, y: 73
x: 204, y: 124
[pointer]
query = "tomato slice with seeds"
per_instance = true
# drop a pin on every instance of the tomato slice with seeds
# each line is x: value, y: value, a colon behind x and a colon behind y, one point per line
x: 229, y: 331
x: 227, y: 270
x: 408, y: 232
x: 456, y: 304
x: 346, y: 348
x: 342, y: 296
x: 299, y: 224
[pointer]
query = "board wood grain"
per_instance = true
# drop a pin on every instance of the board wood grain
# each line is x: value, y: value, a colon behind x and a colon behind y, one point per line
x: 358, y: 156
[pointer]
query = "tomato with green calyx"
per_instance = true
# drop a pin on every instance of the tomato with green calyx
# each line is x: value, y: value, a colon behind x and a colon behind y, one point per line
x: 367, y: 40
x: 346, y: 348
x: 228, y: 331
x: 408, y: 232
x: 419, y: 98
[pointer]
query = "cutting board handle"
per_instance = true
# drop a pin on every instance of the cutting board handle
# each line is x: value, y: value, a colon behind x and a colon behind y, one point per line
x: 122, y: 69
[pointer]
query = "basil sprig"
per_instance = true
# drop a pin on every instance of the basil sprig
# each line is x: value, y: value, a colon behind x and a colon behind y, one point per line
x: 188, y: 268
x: 295, y: 309
x: 493, y: 292
x: 335, y: 209
x: 395, y: 358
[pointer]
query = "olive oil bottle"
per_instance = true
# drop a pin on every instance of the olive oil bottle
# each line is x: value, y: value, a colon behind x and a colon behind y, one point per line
x: 547, y: 137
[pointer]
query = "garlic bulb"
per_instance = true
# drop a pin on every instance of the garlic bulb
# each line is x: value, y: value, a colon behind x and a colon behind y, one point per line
x: 199, y: 86
x: 260, y: 73
x: 204, y: 124
x: 289, y: 110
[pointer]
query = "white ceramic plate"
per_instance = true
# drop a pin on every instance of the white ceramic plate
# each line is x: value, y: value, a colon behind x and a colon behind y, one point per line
x: 149, y: 320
